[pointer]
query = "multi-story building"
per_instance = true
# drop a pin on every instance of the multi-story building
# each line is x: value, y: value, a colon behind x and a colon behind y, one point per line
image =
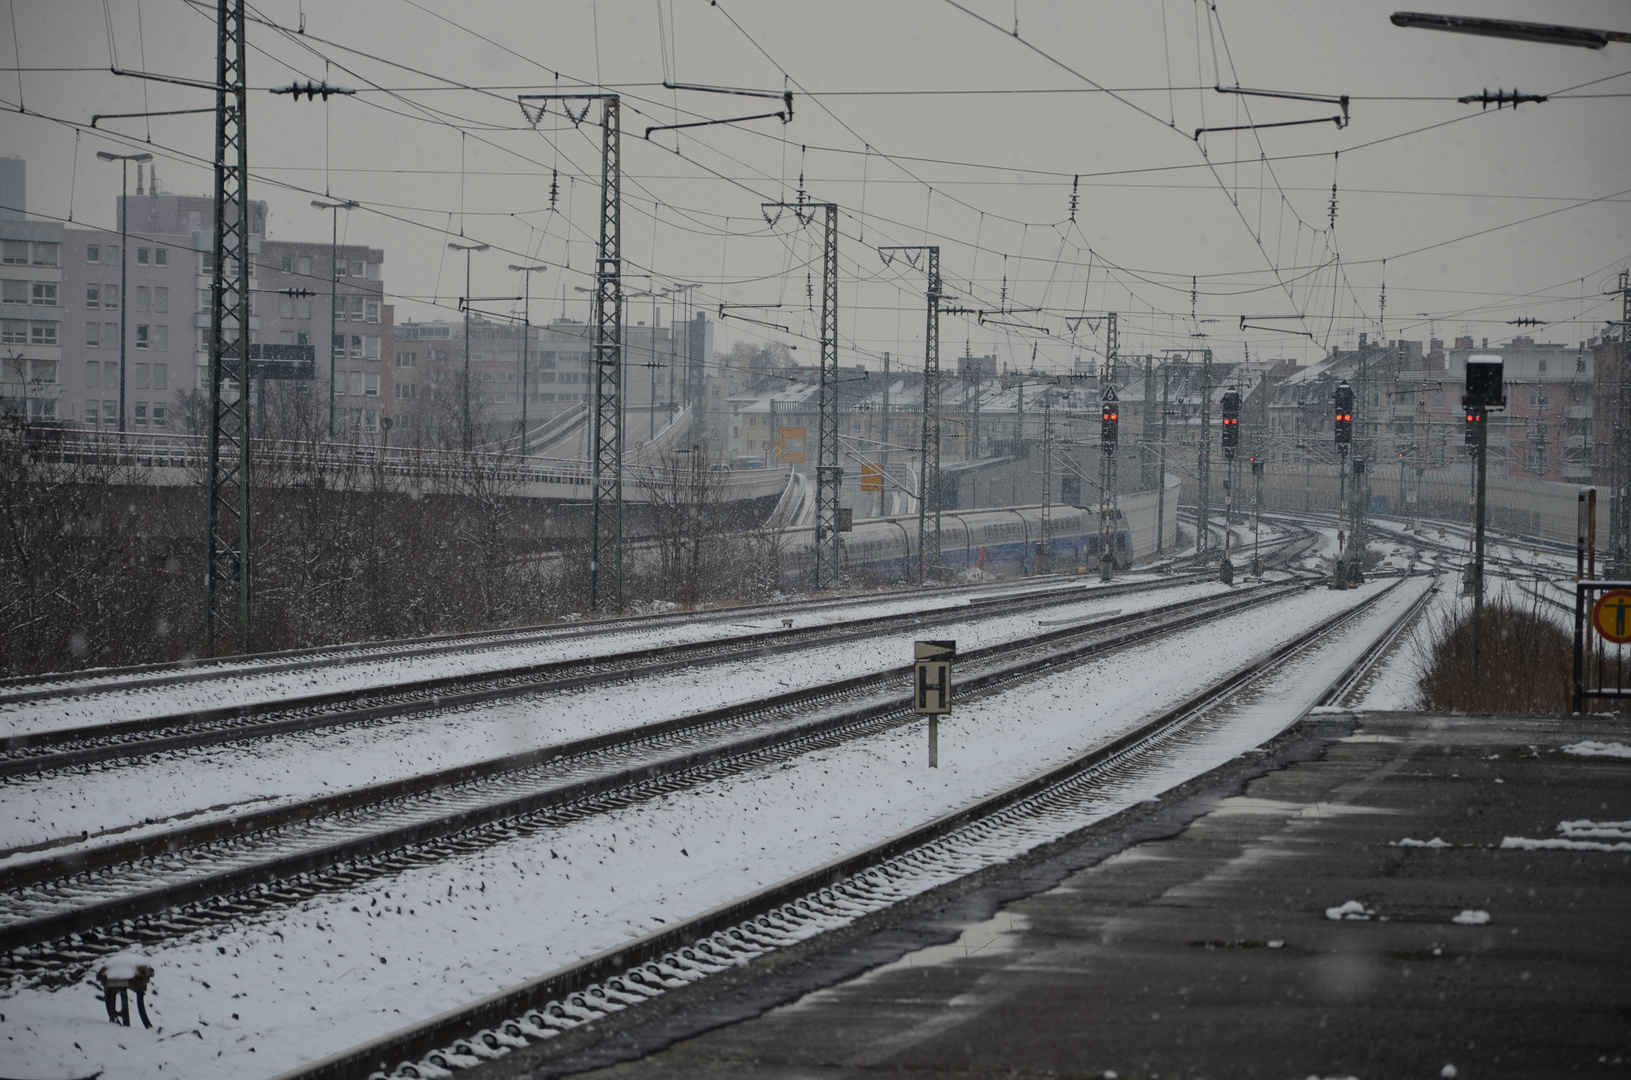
x: 31, y: 319
x: 299, y: 285
x: 149, y: 335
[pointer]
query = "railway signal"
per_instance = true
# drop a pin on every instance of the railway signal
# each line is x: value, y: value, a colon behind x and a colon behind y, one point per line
x: 1109, y: 419
x: 1231, y: 422
x: 1485, y: 383
x: 1344, y: 420
x: 1469, y: 435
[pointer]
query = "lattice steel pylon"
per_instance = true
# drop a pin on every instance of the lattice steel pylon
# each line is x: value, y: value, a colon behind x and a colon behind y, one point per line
x: 1147, y: 471
x: 930, y: 490
x: 606, y: 532
x: 606, y: 478
x: 227, y: 580
x: 1619, y: 469
x: 829, y: 474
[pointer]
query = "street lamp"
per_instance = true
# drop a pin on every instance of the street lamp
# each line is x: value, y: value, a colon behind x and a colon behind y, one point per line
x: 526, y: 340
x: 467, y: 435
x: 333, y: 296
x: 124, y: 258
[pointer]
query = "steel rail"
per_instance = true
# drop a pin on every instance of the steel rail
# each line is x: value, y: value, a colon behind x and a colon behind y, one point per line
x: 37, y: 752
x: 28, y: 688
x: 30, y: 933
x: 673, y: 952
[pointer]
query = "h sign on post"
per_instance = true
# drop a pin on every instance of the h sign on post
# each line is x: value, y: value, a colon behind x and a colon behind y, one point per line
x: 931, y: 676
x: 931, y: 687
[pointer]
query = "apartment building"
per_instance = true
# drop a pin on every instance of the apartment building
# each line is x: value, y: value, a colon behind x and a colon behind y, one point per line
x: 150, y: 331
x: 31, y: 319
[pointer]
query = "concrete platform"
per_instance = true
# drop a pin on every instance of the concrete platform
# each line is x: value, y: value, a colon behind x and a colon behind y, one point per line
x: 1266, y: 920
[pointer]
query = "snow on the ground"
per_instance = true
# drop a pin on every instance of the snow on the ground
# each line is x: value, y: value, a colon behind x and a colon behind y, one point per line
x: 299, y: 983
x: 120, y: 803
x: 1598, y: 749
x: 251, y: 685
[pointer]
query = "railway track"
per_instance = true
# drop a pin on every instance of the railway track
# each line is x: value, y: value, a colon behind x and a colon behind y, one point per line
x: 66, y: 685
x: 64, y: 911
x: 51, y: 750
x: 937, y: 853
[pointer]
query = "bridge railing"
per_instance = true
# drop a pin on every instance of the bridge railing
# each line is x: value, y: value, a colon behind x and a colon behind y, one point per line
x: 152, y: 450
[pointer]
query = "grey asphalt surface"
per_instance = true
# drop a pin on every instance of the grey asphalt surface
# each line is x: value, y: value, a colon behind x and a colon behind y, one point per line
x: 1194, y: 938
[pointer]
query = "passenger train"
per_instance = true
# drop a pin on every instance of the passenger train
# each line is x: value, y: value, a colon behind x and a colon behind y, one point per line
x: 1002, y: 541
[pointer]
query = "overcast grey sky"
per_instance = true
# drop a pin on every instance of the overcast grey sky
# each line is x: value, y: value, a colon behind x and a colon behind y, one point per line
x: 927, y: 122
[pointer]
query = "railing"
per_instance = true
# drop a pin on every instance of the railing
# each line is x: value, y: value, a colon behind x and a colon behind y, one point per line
x: 149, y: 450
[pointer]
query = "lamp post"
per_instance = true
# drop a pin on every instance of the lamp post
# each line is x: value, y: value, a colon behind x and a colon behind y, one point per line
x: 124, y: 257
x: 333, y: 296
x: 466, y: 435
x: 526, y: 340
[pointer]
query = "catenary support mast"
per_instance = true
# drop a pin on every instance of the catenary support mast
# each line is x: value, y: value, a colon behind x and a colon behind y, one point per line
x: 228, y: 592
x: 930, y: 489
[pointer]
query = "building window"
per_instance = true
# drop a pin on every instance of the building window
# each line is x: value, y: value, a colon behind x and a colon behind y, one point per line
x: 161, y: 257
x: 110, y: 333
x: 45, y: 254
x: 158, y: 413
x: 359, y: 269
x: 93, y: 411
x: 110, y: 296
x: 371, y: 310
x: 161, y: 339
x: 285, y: 307
x: 110, y: 413
x: 14, y: 291
x: 143, y: 335
x: 43, y: 372
x: 139, y: 378
x: 302, y: 309
x: 356, y: 308
x: 286, y: 337
x: 206, y: 262
x: 301, y: 337
x: 16, y: 252
x: 370, y: 348
x: 370, y: 384
x: 144, y: 256
x: 161, y: 298
x: 407, y: 359
x: 141, y: 414
x: 1543, y: 365
x: 161, y: 376
x: 339, y: 268
x: 305, y: 265
x: 93, y: 253
x: 355, y: 378
x: 43, y: 333
x: 203, y: 301
x: 356, y: 346
x: 144, y: 298
x: 93, y: 296
x: 286, y: 264
x: 93, y: 373
x: 404, y: 391
x: 93, y: 335
x: 44, y: 293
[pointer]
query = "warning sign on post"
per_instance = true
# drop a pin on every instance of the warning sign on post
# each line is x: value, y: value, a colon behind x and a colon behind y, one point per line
x: 871, y: 476
x: 789, y: 448
x: 931, y: 676
x: 1611, y: 616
